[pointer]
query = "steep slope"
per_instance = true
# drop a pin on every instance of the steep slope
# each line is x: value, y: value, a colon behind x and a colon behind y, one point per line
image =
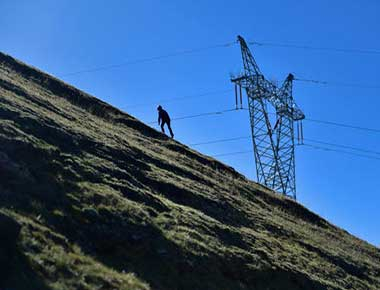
x: 95, y: 199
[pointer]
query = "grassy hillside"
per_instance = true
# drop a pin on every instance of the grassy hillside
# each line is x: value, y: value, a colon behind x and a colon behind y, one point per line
x: 91, y: 198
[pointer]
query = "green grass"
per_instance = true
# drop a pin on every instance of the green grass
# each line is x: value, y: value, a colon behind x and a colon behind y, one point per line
x: 106, y: 202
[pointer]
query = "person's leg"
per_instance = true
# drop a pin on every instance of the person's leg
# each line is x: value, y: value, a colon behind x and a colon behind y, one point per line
x: 162, y: 127
x: 170, y: 129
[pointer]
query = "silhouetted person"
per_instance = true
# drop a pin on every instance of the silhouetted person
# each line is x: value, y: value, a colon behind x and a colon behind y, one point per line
x: 163, y: 118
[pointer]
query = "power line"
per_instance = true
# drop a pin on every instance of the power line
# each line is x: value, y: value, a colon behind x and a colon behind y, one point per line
x: 148, y: 59
x: 169, y: 100
x: 307, y: 47
x: 341, y: 151
x: 205, y: 114
x: 178, y: 98
x: 343, y: 146
x: 373, y: 130
x: 341, y: 84
x: 199, y: 115
x: 200, y: 49
x: 307, y: 145
x: 232, y: 153
x: 219, y: 141
x: 338, y: 84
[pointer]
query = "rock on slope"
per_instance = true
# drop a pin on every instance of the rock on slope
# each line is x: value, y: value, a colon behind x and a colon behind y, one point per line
x: 105, y: 202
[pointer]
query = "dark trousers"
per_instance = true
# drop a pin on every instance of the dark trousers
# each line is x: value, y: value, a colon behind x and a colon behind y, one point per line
x: 169, y: 127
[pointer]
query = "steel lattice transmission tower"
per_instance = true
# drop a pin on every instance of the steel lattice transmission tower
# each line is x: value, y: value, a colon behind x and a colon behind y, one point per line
x: 273, y: 146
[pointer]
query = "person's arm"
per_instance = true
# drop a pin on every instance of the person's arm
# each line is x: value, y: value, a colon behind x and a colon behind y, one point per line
x: 159, y: 119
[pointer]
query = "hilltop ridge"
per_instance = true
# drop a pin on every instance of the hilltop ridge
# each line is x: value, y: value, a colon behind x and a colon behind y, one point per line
x: 95, y: 199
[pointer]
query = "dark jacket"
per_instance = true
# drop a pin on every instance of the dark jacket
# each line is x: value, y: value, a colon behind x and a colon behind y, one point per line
x: 163, y: 116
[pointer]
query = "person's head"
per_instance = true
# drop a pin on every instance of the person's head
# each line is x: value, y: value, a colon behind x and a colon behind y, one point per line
x: 159, y: 108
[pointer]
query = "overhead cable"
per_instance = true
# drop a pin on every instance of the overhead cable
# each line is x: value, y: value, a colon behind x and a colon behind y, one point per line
x: 307, y: 145
x: 178, y: 98
x: 338, y: 84
x: 308, y: 47
x: 374, y: 130
x: 341, y: 151
x: 148, y: 59
x: 200, y: 115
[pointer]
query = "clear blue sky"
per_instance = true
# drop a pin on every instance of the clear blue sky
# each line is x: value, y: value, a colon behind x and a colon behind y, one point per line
x: 65, y: 36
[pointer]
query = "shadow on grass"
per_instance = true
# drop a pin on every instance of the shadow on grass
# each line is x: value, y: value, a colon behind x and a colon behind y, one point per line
x: 22, y: 276
x: 122, y: 242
